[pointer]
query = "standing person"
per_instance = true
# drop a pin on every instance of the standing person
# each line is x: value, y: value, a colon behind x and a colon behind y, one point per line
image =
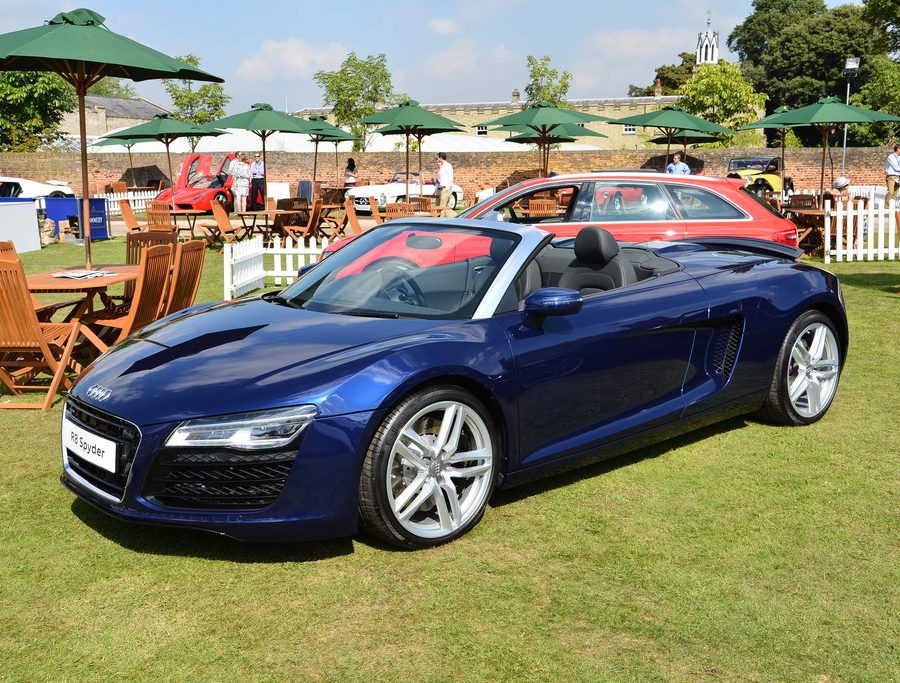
x: 444, y: 184
x: 257, y: 183
x: 240, y: 187
x: 350, y: 172
x: 892, y: 171
x: 678, y: 167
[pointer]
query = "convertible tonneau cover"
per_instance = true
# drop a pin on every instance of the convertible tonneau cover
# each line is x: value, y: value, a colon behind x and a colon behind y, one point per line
x: 764, y: 247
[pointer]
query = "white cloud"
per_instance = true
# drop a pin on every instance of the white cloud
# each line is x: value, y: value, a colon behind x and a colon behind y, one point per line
x: 290, y: 59
x: 459, y: 58
x: 443, y: 26
x: 502, y: 54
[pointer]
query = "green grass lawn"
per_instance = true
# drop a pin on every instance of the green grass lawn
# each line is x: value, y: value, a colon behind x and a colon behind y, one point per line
x: 743, y: 552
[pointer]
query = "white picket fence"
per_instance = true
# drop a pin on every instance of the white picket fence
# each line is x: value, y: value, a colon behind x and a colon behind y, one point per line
x: 138, y: 200
x: 858, y: 231
x: 245, y: 269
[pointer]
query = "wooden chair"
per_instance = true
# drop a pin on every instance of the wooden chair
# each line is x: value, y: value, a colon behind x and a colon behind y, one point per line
x: 44, y: 311
x: 28, y: 347
x: 135, y: 242
x: 152, y: 285
x: 351, y: 220
x: 376, y: 213
x: 803, y: 201
x: 185, y: 276
x: 543, y: 208
x: 163, y: 184
x: 159, y: 217
x: 221, y: 231
x: 291, y: 204
x: 271, y: 204
x: 398, y: 210
x: 301, y: 232
x: 128, y: 216
x: 120, y: 186
x: 422, y: 203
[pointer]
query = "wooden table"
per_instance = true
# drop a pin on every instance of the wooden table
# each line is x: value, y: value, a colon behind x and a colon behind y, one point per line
x: 266, y: 214
x: 811, y: 222
x: 45, y: 283
x: 191, y: 217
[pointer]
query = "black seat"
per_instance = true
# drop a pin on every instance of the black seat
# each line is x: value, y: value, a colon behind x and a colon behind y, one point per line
x: 597, y: 265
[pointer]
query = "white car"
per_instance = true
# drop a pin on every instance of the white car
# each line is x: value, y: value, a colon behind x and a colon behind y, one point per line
x: 32, y: 189
x: 395, y: 191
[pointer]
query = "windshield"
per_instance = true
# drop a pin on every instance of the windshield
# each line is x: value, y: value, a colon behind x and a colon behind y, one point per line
x: 476, y: 208
x: 750, y: 164
x: 400, y: 177
x: 406, y: 270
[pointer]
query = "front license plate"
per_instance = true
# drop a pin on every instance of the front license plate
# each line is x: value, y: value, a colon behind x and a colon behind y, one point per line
x: 89, y: 446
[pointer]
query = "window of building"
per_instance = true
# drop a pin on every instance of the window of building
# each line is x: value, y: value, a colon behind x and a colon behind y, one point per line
x: 481, y: 130
x: 628, y: 129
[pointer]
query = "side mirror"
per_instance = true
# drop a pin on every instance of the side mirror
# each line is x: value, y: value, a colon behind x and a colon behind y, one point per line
x: 305, y: 269
x: 551, y: 301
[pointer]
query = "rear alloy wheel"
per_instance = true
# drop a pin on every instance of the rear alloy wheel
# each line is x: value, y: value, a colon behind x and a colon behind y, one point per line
x: 807, y: 372
x: 430, y: 469
x: 451, y: 203
x: 221, y: 197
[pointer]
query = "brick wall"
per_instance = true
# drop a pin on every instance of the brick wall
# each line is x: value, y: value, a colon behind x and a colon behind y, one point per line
x: 474, y: 170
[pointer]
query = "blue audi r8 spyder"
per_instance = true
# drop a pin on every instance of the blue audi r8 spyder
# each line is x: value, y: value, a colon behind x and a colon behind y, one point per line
x: 398, y: 382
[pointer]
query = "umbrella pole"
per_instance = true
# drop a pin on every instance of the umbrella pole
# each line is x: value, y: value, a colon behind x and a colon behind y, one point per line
x: 315, y: 164
x: 825, y: 131
x: 421, y: 178
x: 81, y: 89
x: 407, y: 166
x: 167, y: 142
x: 131, y: 164
x: 783, y: 140
x: 265, y: 187
x: 337, y: 167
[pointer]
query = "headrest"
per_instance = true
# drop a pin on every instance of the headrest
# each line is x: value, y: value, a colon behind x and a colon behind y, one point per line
x: 595, y: 245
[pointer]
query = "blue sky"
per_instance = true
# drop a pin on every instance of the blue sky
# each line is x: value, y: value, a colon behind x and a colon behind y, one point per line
x: 454, y: 51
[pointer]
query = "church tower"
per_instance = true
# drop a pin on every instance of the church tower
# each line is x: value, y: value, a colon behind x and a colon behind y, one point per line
x: 708, y: 44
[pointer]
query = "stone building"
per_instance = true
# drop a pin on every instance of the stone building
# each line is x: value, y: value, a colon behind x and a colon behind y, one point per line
x: 103, y: 114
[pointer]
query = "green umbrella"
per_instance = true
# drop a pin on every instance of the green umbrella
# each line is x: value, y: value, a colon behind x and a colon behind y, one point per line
x: 262, y: 120
x: 825, y: 115
x: 322, y: 131
x: 772, y: 121
x: 547, y: 125
x: 564, y: 132
x: 78, y: 46
x: 164, y: 129
x: 127, y: 144
x: 406, y: 119
x: 670, y: 120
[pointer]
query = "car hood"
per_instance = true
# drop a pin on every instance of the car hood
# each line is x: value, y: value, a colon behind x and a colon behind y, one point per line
x: 238, y: 356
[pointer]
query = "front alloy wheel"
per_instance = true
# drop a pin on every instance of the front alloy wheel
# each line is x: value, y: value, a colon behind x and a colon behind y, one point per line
x: 807, y: 372
x: 430, y: 469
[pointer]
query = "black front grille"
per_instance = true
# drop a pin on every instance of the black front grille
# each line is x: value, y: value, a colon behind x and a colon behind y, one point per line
x: 725, y: 348
x: 125, y: 435
x: 218, y: 480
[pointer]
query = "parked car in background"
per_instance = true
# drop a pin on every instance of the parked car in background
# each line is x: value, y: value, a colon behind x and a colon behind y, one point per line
x: 395, y: 191
x: 762, y: 174
x: 196, y: 187
x: 400, y: 391
x: 637, y: 207
x: 32, y: 189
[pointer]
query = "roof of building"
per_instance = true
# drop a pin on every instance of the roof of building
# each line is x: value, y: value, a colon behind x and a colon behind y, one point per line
x: 125, y: 108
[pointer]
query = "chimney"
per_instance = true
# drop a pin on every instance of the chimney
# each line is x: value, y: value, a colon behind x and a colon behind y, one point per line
x: 515, y: 96
x: 657, y: 88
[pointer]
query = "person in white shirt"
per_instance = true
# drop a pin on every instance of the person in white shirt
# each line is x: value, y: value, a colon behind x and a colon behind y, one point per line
x: 444, y: 184
x: 892, y: 171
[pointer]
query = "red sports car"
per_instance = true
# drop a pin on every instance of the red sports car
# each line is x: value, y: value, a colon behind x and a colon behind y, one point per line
x: 195, y: 187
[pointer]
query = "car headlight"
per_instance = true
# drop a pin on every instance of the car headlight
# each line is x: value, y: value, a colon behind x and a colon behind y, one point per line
x: 244, y: 431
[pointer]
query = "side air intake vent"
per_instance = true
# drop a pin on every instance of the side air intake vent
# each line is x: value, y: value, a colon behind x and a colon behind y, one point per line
x: 725, y: 347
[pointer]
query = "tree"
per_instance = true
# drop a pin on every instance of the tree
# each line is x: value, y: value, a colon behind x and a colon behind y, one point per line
x: 770, y: 19
x: 32, y: 105
x: 546, y: 83
x: 881, y: 92
x: 670, y: 76
x: 356, y: 90
x: 720, y: 93
x: 885, y: 14
x: 203, y: 105
x: 112, y: 87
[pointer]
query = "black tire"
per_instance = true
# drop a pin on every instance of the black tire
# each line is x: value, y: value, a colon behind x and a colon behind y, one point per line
x: 56, y: 194
x: 375, y: 500
x: 779, y: 408
x: 451, y: 203
x: 220, y: 197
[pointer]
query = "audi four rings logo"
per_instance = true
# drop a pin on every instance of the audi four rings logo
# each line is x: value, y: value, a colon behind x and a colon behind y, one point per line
x: 98, y: 393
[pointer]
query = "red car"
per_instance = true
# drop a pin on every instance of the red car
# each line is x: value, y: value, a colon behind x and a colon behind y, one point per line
x: 195, y: 187
x: 637, y: 207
